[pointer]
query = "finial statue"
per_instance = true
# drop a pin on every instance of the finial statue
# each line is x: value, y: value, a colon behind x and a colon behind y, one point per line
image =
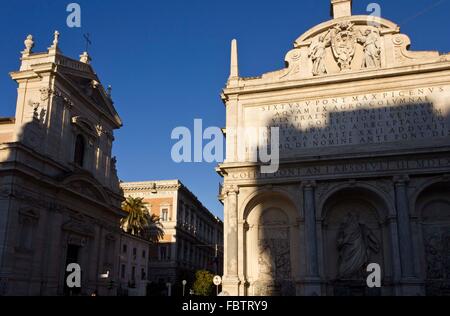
x: 56, y: 39
x: 29, y: 44
x: 85, y: 58
x: 109, y: 91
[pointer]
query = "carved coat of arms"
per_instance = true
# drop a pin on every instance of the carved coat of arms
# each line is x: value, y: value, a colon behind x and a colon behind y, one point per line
x: 343, y: 42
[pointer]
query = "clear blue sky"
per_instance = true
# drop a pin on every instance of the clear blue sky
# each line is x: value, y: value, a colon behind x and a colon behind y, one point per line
x: 168, y: 60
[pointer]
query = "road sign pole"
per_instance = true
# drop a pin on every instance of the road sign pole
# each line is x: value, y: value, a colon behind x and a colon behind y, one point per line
x: 217, y: 280
x: 184, y: 282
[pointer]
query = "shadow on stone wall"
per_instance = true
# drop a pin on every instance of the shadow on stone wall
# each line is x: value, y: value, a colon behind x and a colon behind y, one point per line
x: 415, y: 126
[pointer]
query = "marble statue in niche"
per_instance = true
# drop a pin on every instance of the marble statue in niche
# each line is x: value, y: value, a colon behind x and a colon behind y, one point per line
x: 370, y: 40
x: 356, y: 242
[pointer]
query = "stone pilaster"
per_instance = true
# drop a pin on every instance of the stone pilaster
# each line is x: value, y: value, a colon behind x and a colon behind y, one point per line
x: 410, y: 284
x: 231, y: 280
x: 312, y: 281
x: 404, y: 229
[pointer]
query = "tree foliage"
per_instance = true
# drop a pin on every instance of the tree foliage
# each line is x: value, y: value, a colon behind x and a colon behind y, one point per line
x: 139, y: 222
x: 203, y: 285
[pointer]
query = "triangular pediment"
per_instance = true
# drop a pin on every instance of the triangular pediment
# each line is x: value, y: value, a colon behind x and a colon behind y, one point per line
x: 89, y: 87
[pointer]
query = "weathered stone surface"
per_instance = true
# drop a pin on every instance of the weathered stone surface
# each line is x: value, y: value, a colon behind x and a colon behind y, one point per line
x: 364, y: 127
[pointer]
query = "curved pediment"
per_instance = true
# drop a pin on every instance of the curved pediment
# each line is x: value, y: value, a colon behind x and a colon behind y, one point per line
x: 86, y: 186
x: 345, y: 45
x: 349, y: 44
x: 363, y: 21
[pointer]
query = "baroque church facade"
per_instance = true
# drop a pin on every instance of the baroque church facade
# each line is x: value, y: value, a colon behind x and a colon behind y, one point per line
x: 364, y: 174
x: 59, y: 192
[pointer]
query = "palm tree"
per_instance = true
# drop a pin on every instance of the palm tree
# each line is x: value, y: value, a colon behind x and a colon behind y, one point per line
x: 136, y: 220
x: 154, y: 230
x: 139, y: 221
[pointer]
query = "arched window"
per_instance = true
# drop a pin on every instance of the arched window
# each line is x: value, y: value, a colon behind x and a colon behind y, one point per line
x: 79, y: 151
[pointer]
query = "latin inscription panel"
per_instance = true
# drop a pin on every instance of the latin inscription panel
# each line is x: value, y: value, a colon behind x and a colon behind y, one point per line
x: 408, y: 117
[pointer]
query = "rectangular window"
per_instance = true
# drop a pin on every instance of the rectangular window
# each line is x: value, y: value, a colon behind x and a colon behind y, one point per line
x: 163, y: 253
x: 142, y: 274
x: 133, y: 273
x: 164, y: 215
x: 143, y: 254
x: 124, y: 248
x: 122, y: 271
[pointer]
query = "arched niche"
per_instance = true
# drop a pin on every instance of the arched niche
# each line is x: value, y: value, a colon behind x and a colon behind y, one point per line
x: 270, y: 243
x: 355, y: 234
x: 433, y: 207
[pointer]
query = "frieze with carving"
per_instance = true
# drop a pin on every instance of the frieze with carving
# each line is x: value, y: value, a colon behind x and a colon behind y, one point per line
x: 356, y: 43
x: 370, y: 39
x: 317, y: 54
x: 437, y: 254
x: 343, y: 43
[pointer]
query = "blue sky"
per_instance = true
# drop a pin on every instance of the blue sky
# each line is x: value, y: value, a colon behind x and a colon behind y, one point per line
x: 168, y: 60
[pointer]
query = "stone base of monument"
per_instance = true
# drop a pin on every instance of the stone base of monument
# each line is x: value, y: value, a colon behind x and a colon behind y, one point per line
x: 310, y: 287
x: 411, y: 287
x: 274, y: 288
x: 354, y: 288
x: 231, y: 285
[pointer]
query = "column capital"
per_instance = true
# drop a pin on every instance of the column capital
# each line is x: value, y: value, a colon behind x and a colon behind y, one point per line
x: 309, y: 184
x: 401, y: 179
x: 231, y: 189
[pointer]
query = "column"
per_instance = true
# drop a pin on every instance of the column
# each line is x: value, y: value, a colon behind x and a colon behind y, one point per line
x: 310, y: 229
x: 410, y: 286
x: 312, y: 285
x: 231, y: 280
x: 404, y: 227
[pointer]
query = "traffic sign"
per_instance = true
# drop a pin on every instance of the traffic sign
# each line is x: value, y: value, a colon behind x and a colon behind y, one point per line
x: 217, y: 280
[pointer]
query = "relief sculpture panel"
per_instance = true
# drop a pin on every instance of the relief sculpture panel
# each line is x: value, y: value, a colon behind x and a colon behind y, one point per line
x: 274, y: 256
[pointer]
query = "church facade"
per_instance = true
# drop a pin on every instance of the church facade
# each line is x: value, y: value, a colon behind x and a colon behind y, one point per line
x: 364, y: 173
x: 59, y: 193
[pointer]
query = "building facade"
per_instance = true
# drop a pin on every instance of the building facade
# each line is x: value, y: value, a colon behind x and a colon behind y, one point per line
x: 133, y: 265
x: 59, y: 193
x: 364, y: 173
x: 193, y: 237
